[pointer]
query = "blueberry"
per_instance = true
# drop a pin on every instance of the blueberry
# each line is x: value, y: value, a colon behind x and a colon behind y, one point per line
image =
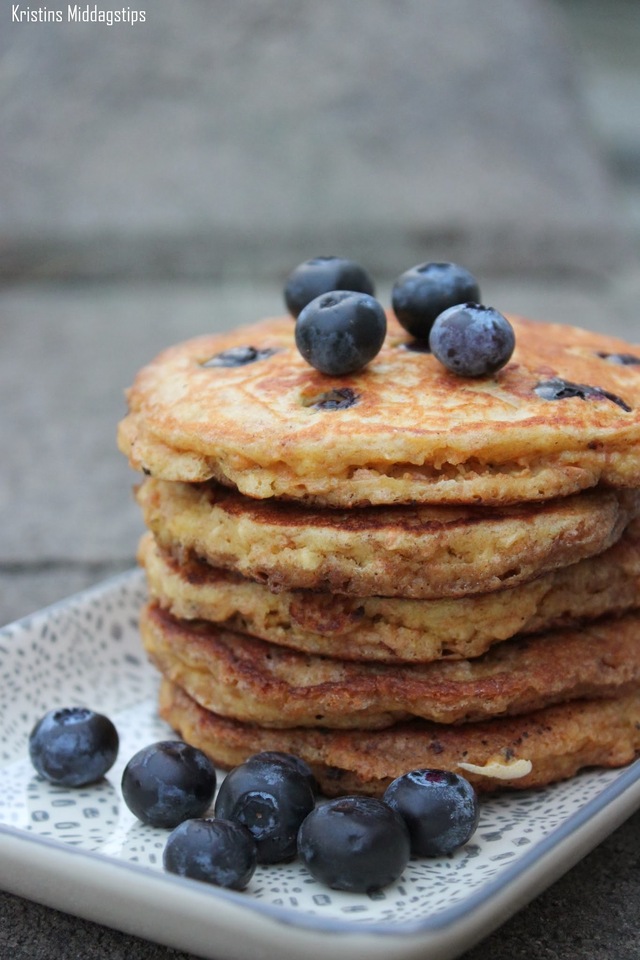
x: 340, y: 399
x: 297, y: 764
x: 239, y: 356
x: 624, y: 359
x: 271, y: 798
x: 73, y: 746
x: 168, y: 782
x: 416, y: 346
x: 215, y: 851
x: 321, y: 275
x: 340, y: 332
x: 559, y: 389
x: 440, y: 809
x: 420, y: 294
x: 472, y: 340
x: 358, y: 844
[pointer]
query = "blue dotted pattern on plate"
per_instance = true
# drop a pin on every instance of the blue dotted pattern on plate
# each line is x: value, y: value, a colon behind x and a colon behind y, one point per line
x: 87, y: 651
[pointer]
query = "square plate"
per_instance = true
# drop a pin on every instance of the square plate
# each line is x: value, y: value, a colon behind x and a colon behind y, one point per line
x: 83, y: 852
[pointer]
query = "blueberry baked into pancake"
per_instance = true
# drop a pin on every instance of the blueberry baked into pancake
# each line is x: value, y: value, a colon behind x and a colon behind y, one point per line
x: 381, y: 539
x: 247, y: 410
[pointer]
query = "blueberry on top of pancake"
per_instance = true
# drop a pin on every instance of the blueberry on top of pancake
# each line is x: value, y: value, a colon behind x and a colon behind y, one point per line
x: 417, y: 433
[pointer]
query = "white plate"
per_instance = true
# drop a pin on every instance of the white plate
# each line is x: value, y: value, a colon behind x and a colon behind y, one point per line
x: 83, y: 852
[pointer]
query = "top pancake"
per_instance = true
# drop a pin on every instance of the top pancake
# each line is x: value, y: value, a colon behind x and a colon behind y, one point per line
x: 402, y: 430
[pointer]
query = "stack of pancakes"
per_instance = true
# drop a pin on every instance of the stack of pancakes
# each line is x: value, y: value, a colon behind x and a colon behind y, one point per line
x: 399, y: 568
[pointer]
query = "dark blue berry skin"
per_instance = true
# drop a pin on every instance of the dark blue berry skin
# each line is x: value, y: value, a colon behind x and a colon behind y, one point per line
x: 239, y: 357
x: 214, y: 851
x: 168, y: 782
x: 354, y: 843
x: 340, y: 332
x: 559, y: 389
x: 73, y: 746
x: 271, y: 798
x: 472, y: 340
x: 321, y: 275
x: 289, y: 759
x: 624, y: 359
x: 422, y: 293
x: 440, y: 809
x: 337, y: 399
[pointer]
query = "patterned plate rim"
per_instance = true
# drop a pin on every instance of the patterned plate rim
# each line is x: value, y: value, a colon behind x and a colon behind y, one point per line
x: 565, y: 844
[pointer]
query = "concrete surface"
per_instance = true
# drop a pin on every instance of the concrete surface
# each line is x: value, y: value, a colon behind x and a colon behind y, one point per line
x: 219, y: 139
x: 605, y: 40
x: 109, y: 173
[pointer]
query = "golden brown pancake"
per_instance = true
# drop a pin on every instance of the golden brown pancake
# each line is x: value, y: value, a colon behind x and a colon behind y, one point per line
x: 257, y: 682
x: 563, y: 415
x: 421, y: 552
x: 556, y: 742
x: 394, y: 629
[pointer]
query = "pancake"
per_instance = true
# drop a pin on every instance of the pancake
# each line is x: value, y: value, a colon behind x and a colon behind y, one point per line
x: 393, y: 629
x: 562, y: 416
x: 556, y: 743
x: 419, y: 552
x: 257, y: 682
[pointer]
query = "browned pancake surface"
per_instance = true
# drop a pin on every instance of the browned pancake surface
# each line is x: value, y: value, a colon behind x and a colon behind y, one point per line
x: 557, y: 742
x: 422, y: 552
x: 257, y: 682
x: 401, y: 430
x: 393, y: 628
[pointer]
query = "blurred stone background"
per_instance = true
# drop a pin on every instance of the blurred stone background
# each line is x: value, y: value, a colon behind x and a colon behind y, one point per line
x: 221, y: 140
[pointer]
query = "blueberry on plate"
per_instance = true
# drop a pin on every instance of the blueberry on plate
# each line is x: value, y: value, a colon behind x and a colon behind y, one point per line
x: 320, y: 275
x: 214, y: 851
x: 271, y: 798
x: 356, y: 843
x: 168, y: 782
x: 440, y: 809
x: 340, y: 332
x: 420, y: 294
x: 472, y: 340
x: 73, y: 746
x: 289, y: 759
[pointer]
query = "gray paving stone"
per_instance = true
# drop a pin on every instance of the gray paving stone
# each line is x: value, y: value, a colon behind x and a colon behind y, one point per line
x: 605, y: 39
x: 33, y: 586
x: 217, y: 139
x: 67, y: 356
